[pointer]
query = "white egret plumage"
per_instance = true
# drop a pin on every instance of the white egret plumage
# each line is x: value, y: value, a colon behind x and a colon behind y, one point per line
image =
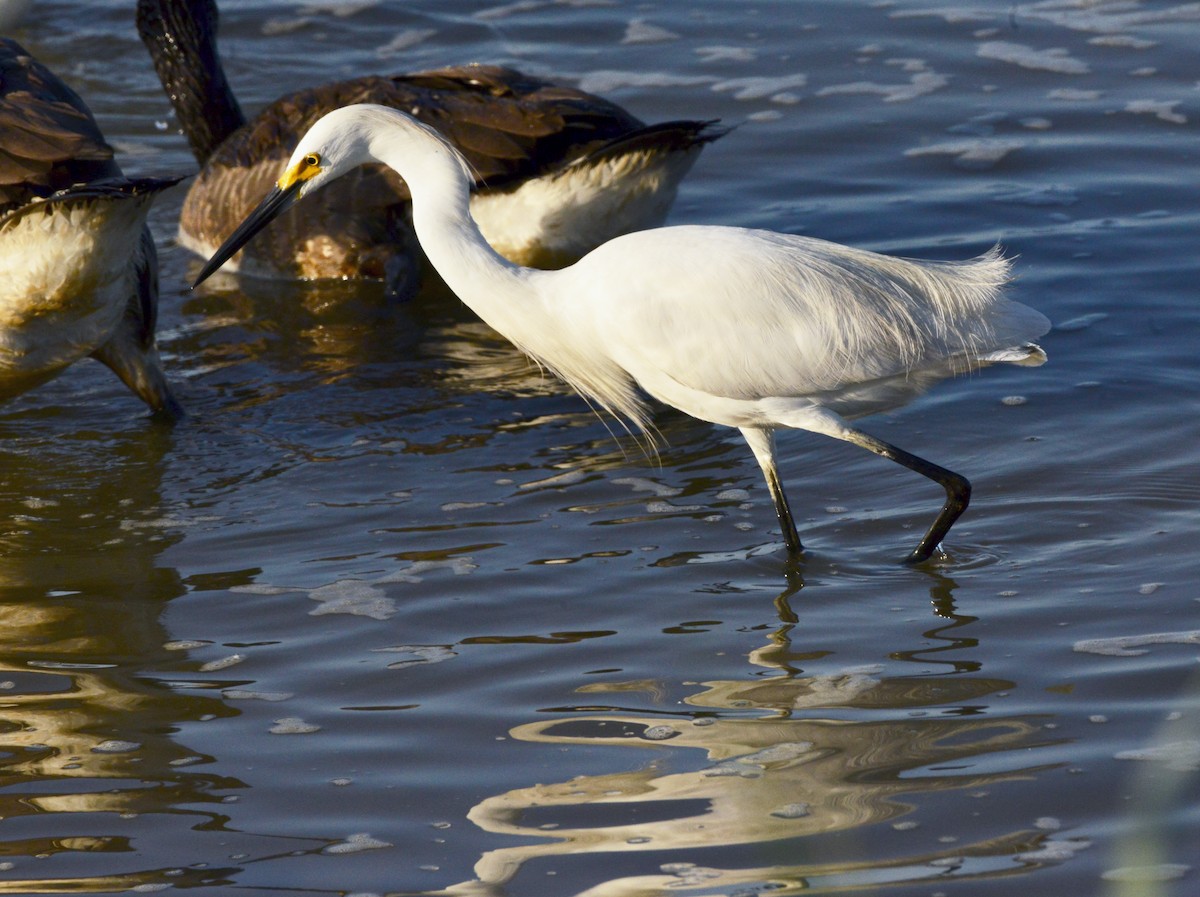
x: 557, y: 171
x: 80, y: 273
x: 748, y: 328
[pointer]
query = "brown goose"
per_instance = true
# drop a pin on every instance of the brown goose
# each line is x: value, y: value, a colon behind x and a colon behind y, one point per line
x: 558, y: 171
x: 80, y: 271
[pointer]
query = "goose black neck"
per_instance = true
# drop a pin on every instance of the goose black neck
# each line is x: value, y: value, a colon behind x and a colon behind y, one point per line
x: 181, y: 36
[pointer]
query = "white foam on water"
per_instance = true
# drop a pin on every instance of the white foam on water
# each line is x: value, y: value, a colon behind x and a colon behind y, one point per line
x: 116, y: 746
x: 659, y: 733
x: 920, y: 84
x: 223, y: 663
x: 1055, y: 851
x: 1083, y: 322
x: 665, y: 507
x: 262, y: 588
x: 1122, y: 41
x: 356, y: 843
x: 277, y: 26
x: 607, y: 81
x: 405, y: 40
x: 639, y: 31
x: 293, y: 725
x: 733, y: 495
x: 246, y: 694
x: 1133, y: 645
x: 353, y: 596
x: 509, y: 9
x: 977, y: 154
x: 341, y: 9
x: 641, y: 484
x: 778, y: 753
x: 1074, y: 94
x: 1056, y: 59
x: 523, y: 6
x: 1147, y: 874
x: 1163, y: 110
x: 420, y: 654
x: 465, y: 505
x: 953, y: 15
x: 558, y: 479
x: 797, y: 810
x: 756, y: 87
x: 719, y: 53
x: 415, y: 572
x: 1116, y: 18
x: 1177, y: 756
x: 1044, y: 195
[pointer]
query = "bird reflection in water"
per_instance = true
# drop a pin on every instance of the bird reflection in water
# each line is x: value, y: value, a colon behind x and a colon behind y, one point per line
x: 806, y: 768
x: 87, y: 734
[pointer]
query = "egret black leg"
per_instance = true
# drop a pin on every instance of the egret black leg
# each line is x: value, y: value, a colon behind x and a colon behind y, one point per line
x: 762, y: 443
x: 790, y: 537
x: 958, y: 491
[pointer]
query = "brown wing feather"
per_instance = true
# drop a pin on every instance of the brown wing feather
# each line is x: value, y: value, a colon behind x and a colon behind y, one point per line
x: 508, y: 125
x: 48, y: 138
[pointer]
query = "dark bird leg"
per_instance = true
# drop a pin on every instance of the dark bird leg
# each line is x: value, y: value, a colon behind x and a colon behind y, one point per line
x: 762, y: 443
x: 958, y: 490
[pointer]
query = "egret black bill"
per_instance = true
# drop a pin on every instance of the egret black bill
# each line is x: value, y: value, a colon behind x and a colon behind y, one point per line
x: 278, y: 201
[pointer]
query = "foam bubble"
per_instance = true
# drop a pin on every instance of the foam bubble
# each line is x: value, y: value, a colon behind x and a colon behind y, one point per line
x: 1056, y: 60
x: 293, y: 725
x: 405, y: 40
x: 1132, y: 645
x: 641, y: 484
x: 1178, y: 756
x: 725, y: 54
x: 639, y: 31
x: 353, y: 596
x: 356, y: 843
x: 756, y: 87
x: 1145, y: 874
x: 611, y: 80
x: 116, y: 746
x: 978, y: 154
x: 1163, y: 110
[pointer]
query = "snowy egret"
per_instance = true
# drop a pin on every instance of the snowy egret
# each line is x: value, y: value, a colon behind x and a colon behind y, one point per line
x: 748, y: 328
x: 557, y: 171
x: 80, y: 271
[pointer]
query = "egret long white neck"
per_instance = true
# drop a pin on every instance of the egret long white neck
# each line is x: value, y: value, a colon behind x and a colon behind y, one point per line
x: 495, y: 288
x: 517, y: 302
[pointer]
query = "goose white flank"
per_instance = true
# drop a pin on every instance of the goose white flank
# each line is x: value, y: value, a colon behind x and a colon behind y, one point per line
x: 80, y: 269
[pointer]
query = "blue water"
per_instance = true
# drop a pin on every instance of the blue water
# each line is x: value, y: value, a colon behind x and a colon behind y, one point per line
x: 393, y: 613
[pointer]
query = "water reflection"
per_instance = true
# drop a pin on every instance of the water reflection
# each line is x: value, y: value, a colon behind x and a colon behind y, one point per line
x: 790, y: 779
x: 87, y: 740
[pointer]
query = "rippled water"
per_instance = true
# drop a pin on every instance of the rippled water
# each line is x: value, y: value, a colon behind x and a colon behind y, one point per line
x: 390, y: 613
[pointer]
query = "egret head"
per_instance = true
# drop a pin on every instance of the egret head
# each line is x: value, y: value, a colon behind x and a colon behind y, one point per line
x: 337, y: 143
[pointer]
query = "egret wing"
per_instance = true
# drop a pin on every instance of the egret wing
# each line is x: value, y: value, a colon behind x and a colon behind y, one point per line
x: 754, y: 314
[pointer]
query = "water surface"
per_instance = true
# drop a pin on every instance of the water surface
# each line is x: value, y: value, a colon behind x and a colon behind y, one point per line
x: 393, y: 613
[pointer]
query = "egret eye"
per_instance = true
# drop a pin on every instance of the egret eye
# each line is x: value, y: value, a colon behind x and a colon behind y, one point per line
x: 313, y: 160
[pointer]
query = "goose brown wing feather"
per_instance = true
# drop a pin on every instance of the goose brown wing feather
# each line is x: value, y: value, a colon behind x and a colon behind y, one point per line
x: 48, y: 138
x: 507, y: 124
